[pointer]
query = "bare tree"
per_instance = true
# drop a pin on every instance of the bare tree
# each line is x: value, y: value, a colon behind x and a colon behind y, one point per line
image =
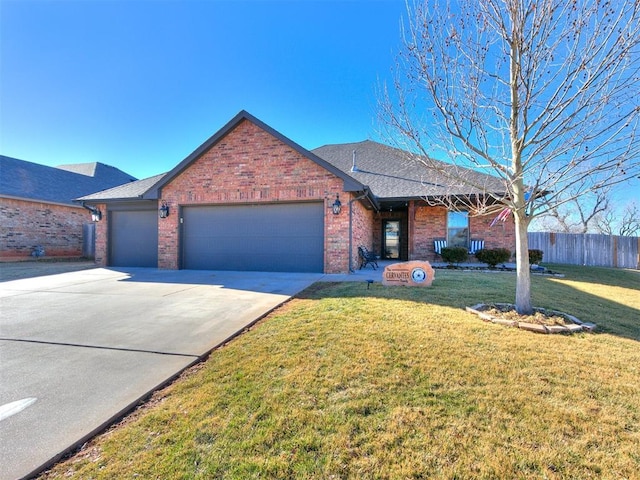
x: 610, y: 222
x: 579, y: 215
x: 542, y: 93
x: 630, y: 225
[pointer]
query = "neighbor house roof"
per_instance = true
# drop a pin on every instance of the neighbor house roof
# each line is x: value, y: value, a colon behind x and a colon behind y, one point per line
x: 32, y: 181
x: 394, y: 174
x: 95, y: 169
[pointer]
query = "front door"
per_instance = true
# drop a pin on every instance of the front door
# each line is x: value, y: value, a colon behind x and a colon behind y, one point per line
x: 391, y: 239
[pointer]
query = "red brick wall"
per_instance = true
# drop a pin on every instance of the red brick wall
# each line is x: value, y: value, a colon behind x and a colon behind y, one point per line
x: 430, y: 223
x: 25, y: 224
x: 501, y: 235
x: 336, y: 236
x: 362, y: 231
x: 102, y: 232
x: 251, y: 166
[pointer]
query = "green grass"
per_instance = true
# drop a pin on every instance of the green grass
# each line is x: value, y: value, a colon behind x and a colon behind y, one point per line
x: 345, y: 382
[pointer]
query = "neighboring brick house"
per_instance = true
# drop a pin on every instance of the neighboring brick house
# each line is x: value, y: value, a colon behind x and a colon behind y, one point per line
x: 37, y: 208
x: 251, y: 199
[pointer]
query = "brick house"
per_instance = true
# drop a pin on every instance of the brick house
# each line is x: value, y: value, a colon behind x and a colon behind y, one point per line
x: 251, y: 199
x: 37, y: 207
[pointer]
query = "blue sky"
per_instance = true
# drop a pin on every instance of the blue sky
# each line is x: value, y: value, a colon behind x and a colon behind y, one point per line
x: 141, y: 84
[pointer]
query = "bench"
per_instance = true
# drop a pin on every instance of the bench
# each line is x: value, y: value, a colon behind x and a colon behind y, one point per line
x: 367, y: 258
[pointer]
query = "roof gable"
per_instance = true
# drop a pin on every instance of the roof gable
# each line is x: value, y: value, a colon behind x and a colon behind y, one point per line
x: 350, y: 184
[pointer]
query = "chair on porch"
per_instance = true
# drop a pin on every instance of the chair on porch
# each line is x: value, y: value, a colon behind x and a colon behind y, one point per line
x: 475, y: 246
x: 438, y: 245
x: 367, y: 257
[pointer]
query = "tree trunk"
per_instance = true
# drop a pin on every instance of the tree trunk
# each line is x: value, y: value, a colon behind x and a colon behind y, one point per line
x: 523, y: 282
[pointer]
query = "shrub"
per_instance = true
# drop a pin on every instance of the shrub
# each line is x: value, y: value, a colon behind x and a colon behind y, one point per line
x: 454, y: 254
x: 535, y: 256
x: 493, y: 256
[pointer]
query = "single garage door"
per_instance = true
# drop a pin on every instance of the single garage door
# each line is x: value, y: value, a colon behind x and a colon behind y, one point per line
x: 269, y: 238
x: 134, y: 238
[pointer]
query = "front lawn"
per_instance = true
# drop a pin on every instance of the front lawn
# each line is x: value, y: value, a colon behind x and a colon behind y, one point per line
x: 350, y: 382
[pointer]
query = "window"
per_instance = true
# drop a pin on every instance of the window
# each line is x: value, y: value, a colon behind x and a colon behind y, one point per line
x: 458, y: 229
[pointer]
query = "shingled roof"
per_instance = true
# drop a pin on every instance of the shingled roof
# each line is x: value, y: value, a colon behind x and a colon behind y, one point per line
x: 133, y: 190
x: 94, y: 169
x: 384, y: 172
x: 32, y: 181
x: 392, y: 174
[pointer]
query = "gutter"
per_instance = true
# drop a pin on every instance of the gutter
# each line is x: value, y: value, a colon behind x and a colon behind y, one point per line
x: 37, y: 200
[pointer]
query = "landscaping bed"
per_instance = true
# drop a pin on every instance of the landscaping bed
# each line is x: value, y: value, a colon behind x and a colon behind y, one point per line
x: 541, y: 321
x: 535, y: 269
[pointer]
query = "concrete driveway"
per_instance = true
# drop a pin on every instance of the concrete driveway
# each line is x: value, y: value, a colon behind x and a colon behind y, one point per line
x: 78, y: 349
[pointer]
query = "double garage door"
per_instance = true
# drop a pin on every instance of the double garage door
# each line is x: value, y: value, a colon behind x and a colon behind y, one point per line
x: 269, y: 238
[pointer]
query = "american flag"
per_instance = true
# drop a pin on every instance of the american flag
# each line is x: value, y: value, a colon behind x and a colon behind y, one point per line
x: 502, y: 216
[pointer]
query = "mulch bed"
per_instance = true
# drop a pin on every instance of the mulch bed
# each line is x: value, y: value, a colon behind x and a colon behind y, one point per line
x: 541, y: 321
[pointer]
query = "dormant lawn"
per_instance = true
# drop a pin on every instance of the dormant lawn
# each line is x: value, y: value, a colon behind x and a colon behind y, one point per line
x: 345, y: 382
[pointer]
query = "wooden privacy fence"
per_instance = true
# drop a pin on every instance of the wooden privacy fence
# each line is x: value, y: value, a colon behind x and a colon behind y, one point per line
x: 587, y: 249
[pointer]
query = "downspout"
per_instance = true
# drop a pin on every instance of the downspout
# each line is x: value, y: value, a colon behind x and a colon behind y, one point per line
x: 351, y: 270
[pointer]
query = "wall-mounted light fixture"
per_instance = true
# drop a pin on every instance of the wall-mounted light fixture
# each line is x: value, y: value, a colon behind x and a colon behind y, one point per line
x: 96, y: 215
x: 163, y: 211
x: 337, y: 205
